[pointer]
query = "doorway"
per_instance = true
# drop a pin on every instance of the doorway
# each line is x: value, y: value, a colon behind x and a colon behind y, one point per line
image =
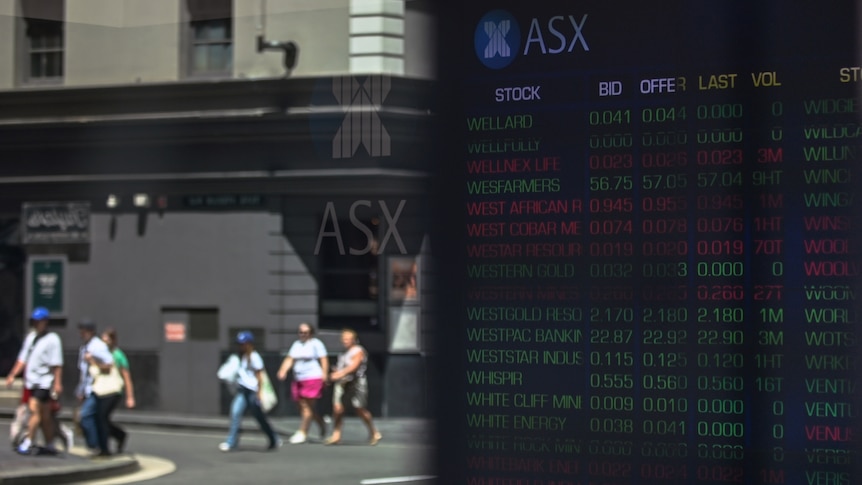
x: 188, y: 360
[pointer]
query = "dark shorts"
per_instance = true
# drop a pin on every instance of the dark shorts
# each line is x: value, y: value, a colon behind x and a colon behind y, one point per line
x: 42, y: 395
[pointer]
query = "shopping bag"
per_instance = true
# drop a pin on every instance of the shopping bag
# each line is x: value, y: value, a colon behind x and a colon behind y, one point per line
x: 106, y: 383
x: 268, y: 398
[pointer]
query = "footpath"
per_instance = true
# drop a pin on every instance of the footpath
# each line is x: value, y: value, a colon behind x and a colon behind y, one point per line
x: 76, y: 466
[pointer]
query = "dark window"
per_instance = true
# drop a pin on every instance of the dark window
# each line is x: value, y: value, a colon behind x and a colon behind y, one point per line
x: 349, y: 293
x: 43, y: 42
x: 203, y: 324
x: 211, y: 37
x: 212, y: 46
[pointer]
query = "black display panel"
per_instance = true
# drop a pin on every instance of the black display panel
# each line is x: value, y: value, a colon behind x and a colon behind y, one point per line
x: 649, y: 226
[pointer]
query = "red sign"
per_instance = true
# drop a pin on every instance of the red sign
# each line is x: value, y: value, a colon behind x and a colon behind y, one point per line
x: 175, y: 332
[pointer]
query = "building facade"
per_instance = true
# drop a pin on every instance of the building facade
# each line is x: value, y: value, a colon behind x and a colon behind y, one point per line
x: 184, y: 169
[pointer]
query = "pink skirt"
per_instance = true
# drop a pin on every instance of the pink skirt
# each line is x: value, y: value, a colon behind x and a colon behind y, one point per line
x: 307, y: 389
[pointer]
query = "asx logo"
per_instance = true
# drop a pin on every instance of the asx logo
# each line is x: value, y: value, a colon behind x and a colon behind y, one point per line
x: 497, y: 39
x: 361, y: 100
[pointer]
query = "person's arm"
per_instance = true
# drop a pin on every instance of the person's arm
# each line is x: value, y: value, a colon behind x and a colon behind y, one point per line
x: 130, y: 389
x: 55, y: 361
x: 286, y: 364
x: 259, y: 374
x: 103, y: 366
x: 16, y: 369
x: 324, y: 364
x: 354, y: 364
x: 255, y: 362
x: 105, y: 357
x: 58, y: 379
x: 21, y: 361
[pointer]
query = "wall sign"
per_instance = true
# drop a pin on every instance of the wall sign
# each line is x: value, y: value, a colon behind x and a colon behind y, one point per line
x: 175, y: 332
x: 55, y: 223
x: 46, y: 277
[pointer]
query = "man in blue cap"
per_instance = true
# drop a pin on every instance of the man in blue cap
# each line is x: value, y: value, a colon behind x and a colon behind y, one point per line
x: 42, y: 358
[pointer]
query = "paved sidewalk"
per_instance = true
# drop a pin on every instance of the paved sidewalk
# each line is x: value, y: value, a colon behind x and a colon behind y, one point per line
x: 66, y: 468
x: 16, y: 469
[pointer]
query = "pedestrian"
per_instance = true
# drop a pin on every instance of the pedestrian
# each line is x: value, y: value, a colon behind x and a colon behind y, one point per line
x: 93, y: 414
x: 18, y: 427
x: 351, y: 383
x: 249, y: 380
x: 41, y: 358
x: 122, y: 363
x: 310, y: 363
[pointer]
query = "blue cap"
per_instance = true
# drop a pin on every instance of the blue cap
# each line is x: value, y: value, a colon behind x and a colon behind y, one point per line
x: 244, y: 337
x: 40, y: 313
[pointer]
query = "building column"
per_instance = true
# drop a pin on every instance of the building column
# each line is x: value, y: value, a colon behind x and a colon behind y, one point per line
x: 377, y: 36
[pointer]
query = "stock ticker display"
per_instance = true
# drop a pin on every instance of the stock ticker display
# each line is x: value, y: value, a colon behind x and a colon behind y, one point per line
x: 658, y: 258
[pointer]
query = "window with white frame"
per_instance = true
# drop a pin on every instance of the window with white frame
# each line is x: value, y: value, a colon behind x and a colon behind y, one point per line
x: 210, y: 37
x: 43, y: 41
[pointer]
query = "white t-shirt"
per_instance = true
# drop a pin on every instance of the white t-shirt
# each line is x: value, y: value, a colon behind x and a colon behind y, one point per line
x: 306, y: 359
x: 100, y: 351
x: 248, y: 366
x: 45, y: 354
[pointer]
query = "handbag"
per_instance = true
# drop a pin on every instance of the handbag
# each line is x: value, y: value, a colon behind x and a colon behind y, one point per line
x: 268, y: 398
x: 106, y: 383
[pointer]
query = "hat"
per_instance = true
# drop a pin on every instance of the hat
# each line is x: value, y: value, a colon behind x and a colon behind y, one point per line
x: 87, y: 324
x: 244, y: 337
x: 40, y: 313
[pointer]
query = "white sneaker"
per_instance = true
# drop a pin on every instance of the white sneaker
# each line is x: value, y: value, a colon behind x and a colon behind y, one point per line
x: 298, y: 437
x: 224, y: 447
x: 24, y: 447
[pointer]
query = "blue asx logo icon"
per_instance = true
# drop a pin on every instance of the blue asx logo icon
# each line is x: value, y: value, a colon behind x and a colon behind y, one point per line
x: 497, y: 39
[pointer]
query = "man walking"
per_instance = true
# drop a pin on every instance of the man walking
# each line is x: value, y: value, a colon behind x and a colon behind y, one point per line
x: 42, y: 358
x: 94, y: 409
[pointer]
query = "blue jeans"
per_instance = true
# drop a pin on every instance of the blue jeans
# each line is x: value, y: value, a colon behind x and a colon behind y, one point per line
x: 247, y: 399
x: 94, y: 422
